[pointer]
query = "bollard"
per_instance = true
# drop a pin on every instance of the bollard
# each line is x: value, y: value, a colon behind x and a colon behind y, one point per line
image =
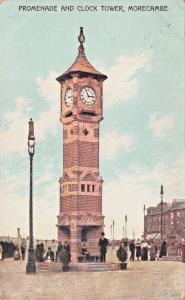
x: 183, y: 252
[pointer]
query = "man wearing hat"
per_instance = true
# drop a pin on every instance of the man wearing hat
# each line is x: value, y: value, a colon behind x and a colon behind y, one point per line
x: 103, y: 243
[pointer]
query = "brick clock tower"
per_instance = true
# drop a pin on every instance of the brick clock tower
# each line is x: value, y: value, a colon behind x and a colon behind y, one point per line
x: 80, y: 218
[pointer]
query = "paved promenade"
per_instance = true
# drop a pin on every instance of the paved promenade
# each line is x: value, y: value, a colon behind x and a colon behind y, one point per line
x: 142, y: 281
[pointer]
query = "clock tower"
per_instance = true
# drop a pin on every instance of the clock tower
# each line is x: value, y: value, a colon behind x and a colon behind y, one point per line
x: 80, y: 217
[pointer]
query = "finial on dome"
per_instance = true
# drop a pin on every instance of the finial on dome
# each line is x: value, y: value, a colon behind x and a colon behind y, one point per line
x: 81, y: 39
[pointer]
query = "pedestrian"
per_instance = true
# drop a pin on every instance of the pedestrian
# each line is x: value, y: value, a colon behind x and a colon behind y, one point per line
x: 138, y: 249
x: 59, y: 248
x: 67, y: 247
x: 153, y: 251
x: 163, y: 250
x: 40, y: 252
x: 179, y: 248
x: 122, y: 256
x: 64, y: 255
x: 103, y: 243
x: 17, y: 253
x: 84, y: 252
x: 144, y: 250
x: 50, y: 255
x: 23, y: 250
x: 132, y: 250
x: 1, y: 252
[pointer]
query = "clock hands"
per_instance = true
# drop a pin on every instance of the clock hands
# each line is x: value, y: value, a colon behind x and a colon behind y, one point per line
x: 88, y: 95
x: 69, y: 97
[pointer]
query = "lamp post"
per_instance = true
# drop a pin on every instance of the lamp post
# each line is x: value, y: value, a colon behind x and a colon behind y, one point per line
x: 161, y: 194
x: 19, y: 241
x: 113, y: 230
x: 31, y: 265
x: 144, y: 209
x: 125, y: 226
x: 123, y: 232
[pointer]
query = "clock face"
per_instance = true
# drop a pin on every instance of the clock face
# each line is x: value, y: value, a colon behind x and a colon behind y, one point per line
x: 68, y: 98
x: 87, y: 95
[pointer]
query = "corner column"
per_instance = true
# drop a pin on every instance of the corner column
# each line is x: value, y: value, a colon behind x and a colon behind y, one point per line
x: 74, y: 241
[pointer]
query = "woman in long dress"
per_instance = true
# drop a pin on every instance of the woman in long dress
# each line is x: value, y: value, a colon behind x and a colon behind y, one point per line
x: 138, y: 249
x: 144, y: 252
x: 153, y: 252
x: 1, y: 252
x: 163, y: 251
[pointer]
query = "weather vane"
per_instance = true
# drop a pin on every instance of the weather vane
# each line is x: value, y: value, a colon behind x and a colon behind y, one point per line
x: 81, y: 39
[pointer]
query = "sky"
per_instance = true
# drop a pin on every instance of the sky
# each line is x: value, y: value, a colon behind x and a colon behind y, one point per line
x: 142, y: 134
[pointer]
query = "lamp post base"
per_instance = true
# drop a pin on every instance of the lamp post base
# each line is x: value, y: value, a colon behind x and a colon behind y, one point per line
x: 31, y: 265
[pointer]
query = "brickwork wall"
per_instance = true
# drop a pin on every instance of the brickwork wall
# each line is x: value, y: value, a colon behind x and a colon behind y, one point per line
x: 89, y: 203
x: 81, y: 184
x: 67, y: 203
x: 85, y: 154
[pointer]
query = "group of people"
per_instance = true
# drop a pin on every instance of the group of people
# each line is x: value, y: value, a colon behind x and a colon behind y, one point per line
x: 141, y: 250
x: 49, y: 255
x: 147, y: 250
x: 20, y: 252
x: 9, y: 249
x: 6, y: 249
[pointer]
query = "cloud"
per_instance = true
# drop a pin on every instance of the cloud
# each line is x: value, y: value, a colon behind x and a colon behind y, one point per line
x: 47, y: 202
x: 114, y: 142
x: 14, y: 129
x: 14, y: 211
x: 137, y: 186
x: 122, y: 83
x: 160, y: 125
x: 15, y: 203
x: 49, y: 88
x: 120, y: 87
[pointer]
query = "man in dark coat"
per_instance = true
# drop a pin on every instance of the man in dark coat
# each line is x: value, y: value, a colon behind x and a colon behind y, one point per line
x: 103, y: 243
x: 132, y: 250
x: 23, y: 250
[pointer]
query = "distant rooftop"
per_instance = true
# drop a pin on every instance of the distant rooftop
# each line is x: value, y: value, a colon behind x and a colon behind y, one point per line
x: 176, y: 204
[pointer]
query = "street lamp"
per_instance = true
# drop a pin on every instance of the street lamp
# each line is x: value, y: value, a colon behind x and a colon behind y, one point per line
x: 31, y: 265
x: 144, y: 209
x: 125, y: 226
x: 113, y: 229
x: 161, y: 194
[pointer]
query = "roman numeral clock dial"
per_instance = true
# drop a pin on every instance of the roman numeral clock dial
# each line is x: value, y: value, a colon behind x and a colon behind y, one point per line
x: 68, y: 98
x: 87, y: 95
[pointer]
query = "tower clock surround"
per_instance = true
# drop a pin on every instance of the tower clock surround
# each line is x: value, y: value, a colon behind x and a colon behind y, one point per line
x: 80, y: 216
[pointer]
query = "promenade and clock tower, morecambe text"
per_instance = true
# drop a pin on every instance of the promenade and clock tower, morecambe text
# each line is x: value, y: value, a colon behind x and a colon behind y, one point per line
x: 80, y: 217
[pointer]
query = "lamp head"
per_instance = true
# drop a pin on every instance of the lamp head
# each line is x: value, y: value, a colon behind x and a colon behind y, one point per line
x: 161, y: 191
x: 31, y: 137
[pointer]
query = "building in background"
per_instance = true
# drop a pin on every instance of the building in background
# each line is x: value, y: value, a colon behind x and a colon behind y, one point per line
x: 173, y: 224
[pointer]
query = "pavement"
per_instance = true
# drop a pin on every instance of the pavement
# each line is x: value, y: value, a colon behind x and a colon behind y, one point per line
x: 160, y: 280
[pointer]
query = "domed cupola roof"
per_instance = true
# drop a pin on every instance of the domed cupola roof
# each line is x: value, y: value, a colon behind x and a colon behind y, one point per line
x: 81, y: 65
